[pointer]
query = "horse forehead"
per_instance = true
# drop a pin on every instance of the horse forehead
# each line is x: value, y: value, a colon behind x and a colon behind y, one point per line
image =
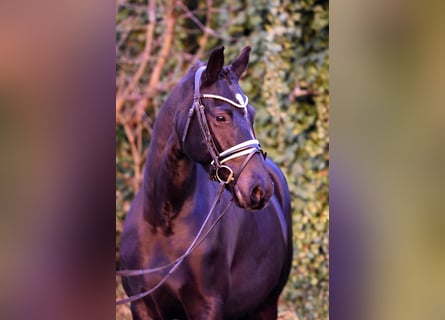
x: 238, y: 96
x: 234, y: 91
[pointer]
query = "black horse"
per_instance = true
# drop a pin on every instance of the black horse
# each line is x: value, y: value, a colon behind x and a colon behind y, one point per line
x: 238, y: 269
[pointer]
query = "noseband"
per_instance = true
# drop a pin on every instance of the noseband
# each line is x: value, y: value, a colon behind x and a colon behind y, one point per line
x: 220, y: 171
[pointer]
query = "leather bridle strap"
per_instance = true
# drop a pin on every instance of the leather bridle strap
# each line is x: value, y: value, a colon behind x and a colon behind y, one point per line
x: 218, y: 159
x: 207, y: 135
x: 241, y: 149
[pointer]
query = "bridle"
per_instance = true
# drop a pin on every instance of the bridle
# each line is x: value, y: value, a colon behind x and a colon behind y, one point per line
x: 219, y: 170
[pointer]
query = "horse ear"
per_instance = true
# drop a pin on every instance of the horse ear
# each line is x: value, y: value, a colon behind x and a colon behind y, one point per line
x: 214, y: 66
x: 239, y: 65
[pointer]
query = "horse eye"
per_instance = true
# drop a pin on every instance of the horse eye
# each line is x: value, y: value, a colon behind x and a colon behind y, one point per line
x: 220, y: 119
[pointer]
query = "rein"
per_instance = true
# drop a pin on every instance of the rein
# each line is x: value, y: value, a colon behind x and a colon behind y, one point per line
x: 176, y: 263
x: 221, y: 172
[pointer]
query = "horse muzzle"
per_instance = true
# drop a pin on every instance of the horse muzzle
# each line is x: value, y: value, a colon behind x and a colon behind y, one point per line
x: 253, y: 194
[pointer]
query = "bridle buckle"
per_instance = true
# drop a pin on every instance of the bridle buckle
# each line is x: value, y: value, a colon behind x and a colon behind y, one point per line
x: 227, y: 172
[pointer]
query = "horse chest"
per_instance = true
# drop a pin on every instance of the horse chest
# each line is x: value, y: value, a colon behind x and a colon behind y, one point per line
x: 243, y: 259
x: 243, y: 256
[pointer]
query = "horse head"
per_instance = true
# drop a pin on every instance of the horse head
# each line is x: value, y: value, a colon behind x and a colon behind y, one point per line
x: 218, y: 131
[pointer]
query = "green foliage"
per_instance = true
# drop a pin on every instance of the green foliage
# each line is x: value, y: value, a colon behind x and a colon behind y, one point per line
x: 287, y: 81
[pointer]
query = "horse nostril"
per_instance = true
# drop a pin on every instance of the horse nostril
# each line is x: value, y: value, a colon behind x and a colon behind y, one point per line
x: 257, y: 195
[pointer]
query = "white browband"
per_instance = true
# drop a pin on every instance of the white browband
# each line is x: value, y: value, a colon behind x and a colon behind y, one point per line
x: 242, y: 101
x: 233, y: 103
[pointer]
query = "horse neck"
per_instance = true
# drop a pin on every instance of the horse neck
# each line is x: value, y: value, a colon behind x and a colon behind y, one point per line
x: 169, y: 176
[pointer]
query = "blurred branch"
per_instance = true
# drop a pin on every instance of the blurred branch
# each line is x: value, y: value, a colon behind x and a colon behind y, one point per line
x: 204, y: 28
x: 134, y: 153
x: 165, y: 49
x: 205, y: 37
x: 145, y: 57
x: 131, y: 122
